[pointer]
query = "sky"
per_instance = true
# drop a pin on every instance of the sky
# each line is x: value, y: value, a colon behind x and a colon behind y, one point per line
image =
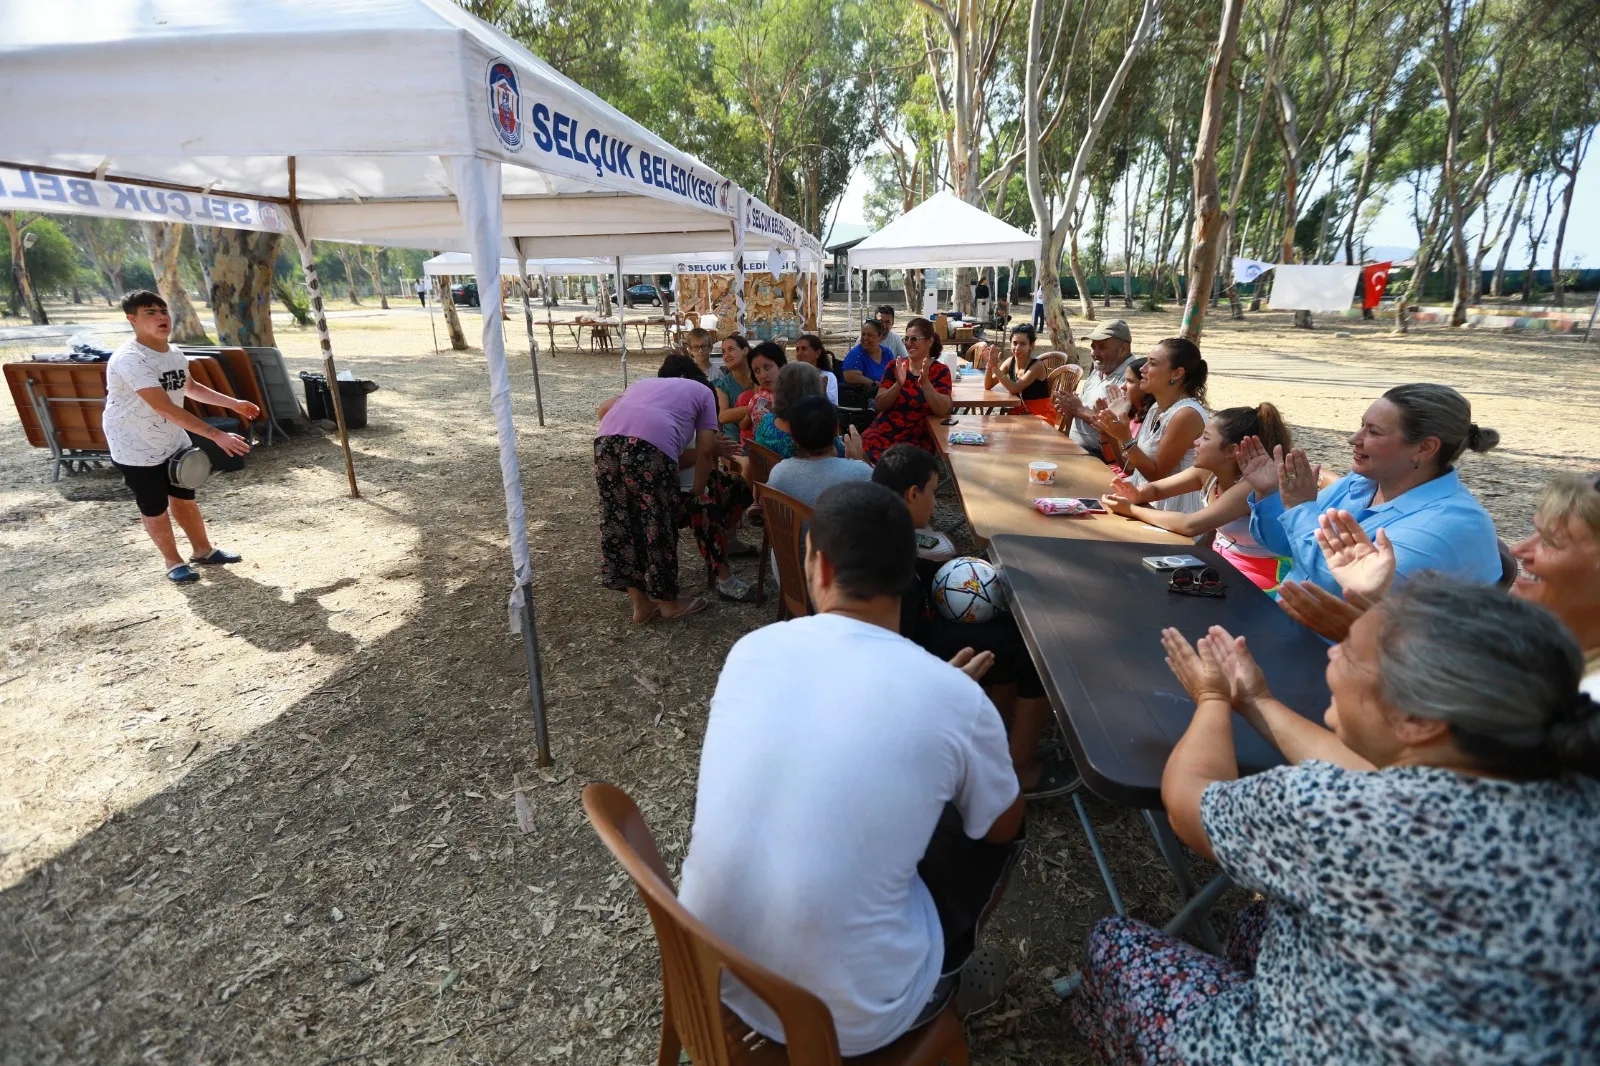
x: 1393, y: 224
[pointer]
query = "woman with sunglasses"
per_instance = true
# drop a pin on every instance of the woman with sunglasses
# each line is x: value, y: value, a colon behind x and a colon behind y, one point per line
x: 917, y: 387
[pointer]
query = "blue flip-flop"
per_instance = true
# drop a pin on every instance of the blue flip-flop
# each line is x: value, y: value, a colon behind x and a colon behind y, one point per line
x: 183, y: 574
x: 217, y: 557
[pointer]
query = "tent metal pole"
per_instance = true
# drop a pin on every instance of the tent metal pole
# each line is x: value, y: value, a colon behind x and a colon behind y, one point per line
x: 622, y: 320
x: 432, y: 327
x: 530, y: 652
x: 527, y: 315
x: 319, y: 316
x: 738, y: 263
x: 1588, y: 332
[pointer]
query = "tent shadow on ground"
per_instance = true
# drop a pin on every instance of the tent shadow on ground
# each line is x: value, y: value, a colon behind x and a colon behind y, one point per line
x: 195, y: 924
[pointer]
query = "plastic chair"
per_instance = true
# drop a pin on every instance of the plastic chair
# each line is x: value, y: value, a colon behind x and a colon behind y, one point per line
x: 783, y: 517
x: 762, y: 459
x: 693, y: 959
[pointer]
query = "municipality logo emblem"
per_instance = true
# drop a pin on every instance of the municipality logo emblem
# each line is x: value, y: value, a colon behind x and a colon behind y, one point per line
x: 1252, y: 272
x: 505, y: 104
x: 722, y: 194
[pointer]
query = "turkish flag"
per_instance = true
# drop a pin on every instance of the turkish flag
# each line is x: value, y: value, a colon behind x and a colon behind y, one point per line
x: 1374, y: 279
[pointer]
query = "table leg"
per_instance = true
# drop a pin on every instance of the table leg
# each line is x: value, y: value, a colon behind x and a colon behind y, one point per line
x: 1172, y: 852
x: 1099, y: 856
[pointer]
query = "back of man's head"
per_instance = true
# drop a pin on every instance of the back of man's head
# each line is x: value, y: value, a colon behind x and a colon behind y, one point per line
x: 903, y: 467
x: 865, y: 531
x: 813, y: 423
x: 141, y: 298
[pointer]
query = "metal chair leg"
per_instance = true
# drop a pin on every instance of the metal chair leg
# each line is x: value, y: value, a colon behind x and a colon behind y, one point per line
x: 1172, y: 852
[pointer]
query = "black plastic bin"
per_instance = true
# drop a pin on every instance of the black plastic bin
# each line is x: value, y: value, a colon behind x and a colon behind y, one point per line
x: 352, y: 396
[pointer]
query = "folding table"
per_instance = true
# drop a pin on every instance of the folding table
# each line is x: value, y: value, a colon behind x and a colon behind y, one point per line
x: 1091, y: 615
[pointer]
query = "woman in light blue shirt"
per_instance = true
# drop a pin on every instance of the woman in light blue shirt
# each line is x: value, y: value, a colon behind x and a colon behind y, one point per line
x: 1402, y: 480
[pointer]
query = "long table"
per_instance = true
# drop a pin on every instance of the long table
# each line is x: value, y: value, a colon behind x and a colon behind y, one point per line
x: 968, y: 394
x: 1091, y: 615
x: 992, y: 480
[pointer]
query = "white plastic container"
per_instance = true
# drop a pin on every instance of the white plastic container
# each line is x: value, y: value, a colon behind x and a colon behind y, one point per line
x: 1041, y: 473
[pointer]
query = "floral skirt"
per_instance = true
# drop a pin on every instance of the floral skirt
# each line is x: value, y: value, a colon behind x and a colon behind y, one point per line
x: 1139, y: 984
x: 725, y: 501
x: 638, y: 485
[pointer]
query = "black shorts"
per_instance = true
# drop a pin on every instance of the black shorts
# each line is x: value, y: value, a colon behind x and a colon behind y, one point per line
x: 1000, y: 635
x: 151, y: 487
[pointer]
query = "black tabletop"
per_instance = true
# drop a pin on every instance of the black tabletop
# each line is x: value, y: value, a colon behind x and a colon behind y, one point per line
x: 1092, y: 614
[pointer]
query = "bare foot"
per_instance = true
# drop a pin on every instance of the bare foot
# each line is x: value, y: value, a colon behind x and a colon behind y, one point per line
x: 681, y: 608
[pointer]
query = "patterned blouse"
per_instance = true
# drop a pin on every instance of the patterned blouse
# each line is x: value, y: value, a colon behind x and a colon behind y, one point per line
x: 907, y: 421
x: 1417, y: 915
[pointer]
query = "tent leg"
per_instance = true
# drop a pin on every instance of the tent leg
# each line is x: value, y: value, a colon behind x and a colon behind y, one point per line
x: 527, y: 315
x: 1588, y: 332
x: 530, y: 651
x: 622, y: 321
x: 320, y: 317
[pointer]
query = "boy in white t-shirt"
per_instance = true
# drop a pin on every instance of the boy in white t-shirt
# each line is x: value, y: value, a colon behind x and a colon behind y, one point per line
x: 145, y: 424
x: 857, y: 812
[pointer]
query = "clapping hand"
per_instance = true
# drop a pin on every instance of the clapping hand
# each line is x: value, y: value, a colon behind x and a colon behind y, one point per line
x: 1117, y: 505
x: 1125, y: 490
x: 1362, y: 568
x: 1197, y: 670
x: 902, y: 367
x: 1297, y: 476
x: 727, y: 447
x: 1247, y: 684
x: 1256, y: 466
x: 1113, y: 424
x: 1319, y: 610
x: 1117, y: 399
x: 853, y: 448
x: 991, y: 356
x: 973, y: 663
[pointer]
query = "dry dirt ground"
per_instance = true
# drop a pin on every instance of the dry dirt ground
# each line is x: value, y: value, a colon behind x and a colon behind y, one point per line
x: 269, y: 818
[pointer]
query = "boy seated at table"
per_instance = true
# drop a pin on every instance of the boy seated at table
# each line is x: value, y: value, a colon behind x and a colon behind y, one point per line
x: 853, y: 843
x: 1013, y: 682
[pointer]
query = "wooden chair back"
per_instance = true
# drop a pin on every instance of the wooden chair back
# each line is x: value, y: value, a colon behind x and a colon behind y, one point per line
x: 762, y: 460
x: 784, y: 516
x: 1509, y: 567
x: 693, y: 958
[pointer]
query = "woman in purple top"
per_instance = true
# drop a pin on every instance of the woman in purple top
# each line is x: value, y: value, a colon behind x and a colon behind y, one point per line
x: 636, y: 450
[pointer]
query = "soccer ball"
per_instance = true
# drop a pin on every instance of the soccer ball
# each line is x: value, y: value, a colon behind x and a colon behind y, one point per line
x: 968, y: 590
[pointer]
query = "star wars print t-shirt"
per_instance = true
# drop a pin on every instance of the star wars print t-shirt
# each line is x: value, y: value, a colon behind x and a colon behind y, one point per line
x: 137, y: 435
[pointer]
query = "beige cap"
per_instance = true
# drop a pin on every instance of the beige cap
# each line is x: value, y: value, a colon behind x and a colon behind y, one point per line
x: 1114, y: 329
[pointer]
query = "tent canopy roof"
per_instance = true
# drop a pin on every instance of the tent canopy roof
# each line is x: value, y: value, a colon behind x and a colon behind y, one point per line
x: 371, y: 97
x: 944, y: 231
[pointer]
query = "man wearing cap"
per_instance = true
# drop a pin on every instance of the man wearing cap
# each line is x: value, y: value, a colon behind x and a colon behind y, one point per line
x: 1112, y: 345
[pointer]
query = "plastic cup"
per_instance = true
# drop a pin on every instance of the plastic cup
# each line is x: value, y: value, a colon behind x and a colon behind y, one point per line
x: 1042, y: 473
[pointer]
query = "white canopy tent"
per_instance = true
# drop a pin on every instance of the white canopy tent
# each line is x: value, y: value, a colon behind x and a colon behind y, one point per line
x: 942, y: 231
x: 423, y: 127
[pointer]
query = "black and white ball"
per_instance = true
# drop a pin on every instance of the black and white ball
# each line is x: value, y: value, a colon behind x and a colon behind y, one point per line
x: 968, y: 590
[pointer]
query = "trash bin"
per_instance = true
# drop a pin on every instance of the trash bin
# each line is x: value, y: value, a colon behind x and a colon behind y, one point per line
x: 352, y: 396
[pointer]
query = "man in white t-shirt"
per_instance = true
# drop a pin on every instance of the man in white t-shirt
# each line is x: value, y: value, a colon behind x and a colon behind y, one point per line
x: 857, y: 812
x: 1112, y: 345
x: 891, y: 340
x: 147, y: 380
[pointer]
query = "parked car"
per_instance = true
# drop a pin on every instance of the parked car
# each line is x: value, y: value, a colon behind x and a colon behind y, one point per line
x: 647, y: 294
x: 465, y: 293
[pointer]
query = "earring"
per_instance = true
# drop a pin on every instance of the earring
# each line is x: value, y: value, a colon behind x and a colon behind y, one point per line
x: 1172, y: 381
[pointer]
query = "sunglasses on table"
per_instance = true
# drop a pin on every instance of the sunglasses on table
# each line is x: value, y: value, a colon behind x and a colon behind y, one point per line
x: 1203, y: 582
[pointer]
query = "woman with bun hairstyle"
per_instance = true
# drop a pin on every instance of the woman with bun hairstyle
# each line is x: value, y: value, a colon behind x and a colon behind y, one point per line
x: 1175, y: 375
x: 1427, y: 860
x: 1024, y: 374
x: 1402, y: 480
x: 1215, y: 474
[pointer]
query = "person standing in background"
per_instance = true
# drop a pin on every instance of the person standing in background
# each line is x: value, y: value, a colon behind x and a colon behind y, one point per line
x: 421, y: 289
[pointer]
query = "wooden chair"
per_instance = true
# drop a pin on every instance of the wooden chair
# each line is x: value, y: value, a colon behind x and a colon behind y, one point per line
x: 759, y: 464
x: 783, y: 517
x: 693, y: 959
x: 1509, y: 567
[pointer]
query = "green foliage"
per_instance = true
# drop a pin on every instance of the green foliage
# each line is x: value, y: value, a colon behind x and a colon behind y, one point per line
x: 52, y: 261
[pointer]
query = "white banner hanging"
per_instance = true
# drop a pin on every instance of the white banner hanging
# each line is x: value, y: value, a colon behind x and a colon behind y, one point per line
x: 1247, y: 270
x: 32, y: 190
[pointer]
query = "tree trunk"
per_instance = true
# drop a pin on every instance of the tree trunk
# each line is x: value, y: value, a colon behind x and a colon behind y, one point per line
x: 452, y: 320
x: 369, y: 260
x: 1485, y: 241
x: 1085, y: 305
x: 20, y: 279
x: 349, y: 276
x: 205, y: 252
x: 1497, y: 284
x: 1580, y: 145
x: 1419, y: 274
x: 164, y: 241
x: 1209, y: 221
x: 241, y: 272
